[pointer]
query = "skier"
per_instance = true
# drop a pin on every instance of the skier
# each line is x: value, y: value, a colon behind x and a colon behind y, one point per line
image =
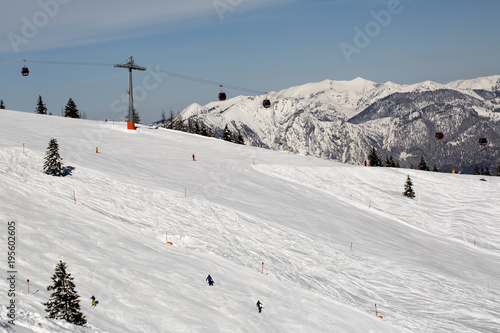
x: 94, y: 302
x: 210, y: 280
x: 193, y: 158
x: 365, y: 162
x: 259, y: 306
x: 96, y: 150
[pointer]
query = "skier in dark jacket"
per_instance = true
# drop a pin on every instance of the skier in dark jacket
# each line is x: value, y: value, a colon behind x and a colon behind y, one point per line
x: 210, y: 280
x: 259, y: 306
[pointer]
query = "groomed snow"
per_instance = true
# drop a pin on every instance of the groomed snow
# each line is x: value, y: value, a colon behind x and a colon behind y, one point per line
x: 430, y: 264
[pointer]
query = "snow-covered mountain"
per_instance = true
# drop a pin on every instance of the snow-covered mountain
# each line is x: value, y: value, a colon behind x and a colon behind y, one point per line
x: 319, y: 243
x: 343, y: 120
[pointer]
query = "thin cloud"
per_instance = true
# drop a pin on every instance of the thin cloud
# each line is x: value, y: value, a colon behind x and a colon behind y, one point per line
x: 48, y: 24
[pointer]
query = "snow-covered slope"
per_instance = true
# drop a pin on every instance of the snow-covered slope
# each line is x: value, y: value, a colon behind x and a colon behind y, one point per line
x: 335, y: 239
x: 489, y: 83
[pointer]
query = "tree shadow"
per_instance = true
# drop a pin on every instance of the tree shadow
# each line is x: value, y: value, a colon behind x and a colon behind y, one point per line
x: 67, y: 170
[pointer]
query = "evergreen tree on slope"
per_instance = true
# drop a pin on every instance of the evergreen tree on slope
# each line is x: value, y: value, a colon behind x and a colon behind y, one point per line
x: 373, y: 158
x: 71, y: 110
x: 53, y: 165
x: 423, y: 164
x: 2, y: 106
x: 408, y: 188
x: 64, y: 301
x: 227, y: 135
x: 40, y: 106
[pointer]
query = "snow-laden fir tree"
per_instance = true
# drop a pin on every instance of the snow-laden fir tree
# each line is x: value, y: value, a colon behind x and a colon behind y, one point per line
x: 408, y: 188
x: 40, y: 106
x: 2, y: 107
x: 64, y: 301
x: 71, y: 110
x: 498, y: 171
x: 53, y: 165
x: 227, y: 135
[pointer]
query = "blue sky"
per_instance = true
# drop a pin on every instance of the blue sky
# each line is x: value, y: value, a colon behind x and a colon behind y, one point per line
x: 263, y: 45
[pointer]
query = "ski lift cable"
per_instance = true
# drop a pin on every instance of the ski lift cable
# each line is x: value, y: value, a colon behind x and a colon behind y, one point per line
x: 180, y: 76
x: 205, y: 81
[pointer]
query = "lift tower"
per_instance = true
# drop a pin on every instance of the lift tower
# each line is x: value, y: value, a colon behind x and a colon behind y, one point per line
x: 130, y: 65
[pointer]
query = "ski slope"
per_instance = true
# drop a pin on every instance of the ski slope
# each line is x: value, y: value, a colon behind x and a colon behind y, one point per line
x: 335, y: 239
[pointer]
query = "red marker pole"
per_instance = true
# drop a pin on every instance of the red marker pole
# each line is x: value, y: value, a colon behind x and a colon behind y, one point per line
x: 376, y: 310
x: 262, y: 267
x: 23, y: 148
x: 28, y: 285
x: 351, y: 246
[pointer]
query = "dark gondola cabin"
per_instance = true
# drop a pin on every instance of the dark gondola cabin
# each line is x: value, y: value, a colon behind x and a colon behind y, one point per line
x: 483, y: 141
x: 266, y: 103
x: 25, y: 71
x: 439, y: 135
x: 222, y: 96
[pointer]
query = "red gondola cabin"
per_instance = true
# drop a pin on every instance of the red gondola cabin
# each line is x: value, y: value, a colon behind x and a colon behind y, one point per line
x: 25, y: 71
x: 222, y: 96
x: 483, y: 141
x: 266, y: 103
x: 439, y: 135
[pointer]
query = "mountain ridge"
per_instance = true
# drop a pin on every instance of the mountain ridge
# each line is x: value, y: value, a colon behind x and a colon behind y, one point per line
x: 329, y: 119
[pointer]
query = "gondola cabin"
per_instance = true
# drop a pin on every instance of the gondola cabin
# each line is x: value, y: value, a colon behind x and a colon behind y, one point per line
x: 439, y: 135
x: 25, y: 71
x: 222, y: 96
x: 483, y: 141
x: 266, y: 103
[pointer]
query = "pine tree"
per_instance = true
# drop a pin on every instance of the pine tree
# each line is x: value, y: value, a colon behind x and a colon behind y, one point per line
x: 227, y: 135
x: 179, y: 123
x: 191, y: 126
x: 137, y: 118
x: 204, y: 130
x: 171, y: 120
x: 476, y: 170
x: 239, y: 139
x: 163, y: 120
x: 373, y: 158
x: 389, y: 162
x: 71, y: 110
x: 423, y: 164
x: 197, y: 129
x: 64, y: 301
x: 482, y: 171
x: 435, y: 169
x: 53, y: 165
x: 487, y: 172
x: 408, y: 188
x: 2, y: 107
x: 498, y: 171
x: 40, y: 106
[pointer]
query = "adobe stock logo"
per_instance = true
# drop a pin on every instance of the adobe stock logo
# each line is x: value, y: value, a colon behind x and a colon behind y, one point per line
x: 223, y: 6
x: 29, y: 29
x: 372, y: 29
